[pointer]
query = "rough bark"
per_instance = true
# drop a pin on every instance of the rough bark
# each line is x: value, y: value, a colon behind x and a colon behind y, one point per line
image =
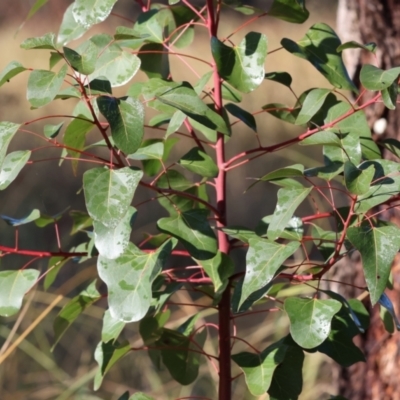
x: 375, y: 21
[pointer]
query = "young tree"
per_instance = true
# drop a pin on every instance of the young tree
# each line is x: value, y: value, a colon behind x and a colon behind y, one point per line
x: 286, y: 250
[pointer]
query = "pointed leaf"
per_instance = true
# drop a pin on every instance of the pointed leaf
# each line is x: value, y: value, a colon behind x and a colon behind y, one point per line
x: 242, y: 66
x: 70, y: 29
x: 112, y: 242
x: 43, y: 86
x: 126, y: 119
x: 373, y: 78
x: 243, y: 115
x: 47, y: 41
x: 185, y: 99
x: 282, y: 112
x: 75, y: 137
x: 80, y: 221
x: 54, y: 267
x: 151, y: 149
x: 33, y: 215
x: 13, y: 286
x: 192, y: 229
x: 219, y: 269
x: 112, y: 327
x: 259, y: 368
x: 263, y: 260
x: 389, y: 95
x: 70, y: 312
x: 106, y: 355
x: 385, y: 184
x: 378, y: 247
x: 318, y: 46
x: 199, y: 162
x: 358, y: 180
x: 51, y: 131
x: 129, y: 278
x: 371, y: 47
x: 281, y: 77
x: 311, y: 105
x: 11, y: 167
x: 182, y: 363
x: 109, y: 193
x: 310, y: 319
x: 229, y: 93
x: 12, y: 69
x: 283, y: 388
x: 288, y: 201
x: 289, y: 10
x: 91, y: 12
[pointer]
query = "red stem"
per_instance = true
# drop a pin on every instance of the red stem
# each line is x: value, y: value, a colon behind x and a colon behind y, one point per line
x: 224, y: 333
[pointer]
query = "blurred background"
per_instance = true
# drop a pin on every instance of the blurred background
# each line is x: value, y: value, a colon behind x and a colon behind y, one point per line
x: 33, y: 371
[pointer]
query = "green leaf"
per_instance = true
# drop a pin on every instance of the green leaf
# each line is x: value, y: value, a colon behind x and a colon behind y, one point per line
x: 75, y: 137
x: 193, y: 230
x: 11, y: 167
x: 150, y: 149
x: 294, y: 228
x: 35, y: 8
x: 177, y: 355
x: 70, y: 312
x: 219, y: 269
x: 371, y: 47
x: 229, y: 93
x: 80, y: 221
x: 54, y: 266
x: 389, y: 95
x: 263, y: 260
x: 259, y: 368
x: 175, y: 122
x: 282, y: 112
x: 51, y: 131
x: 70, y: 29
x: 311, y: 105
x: 33, y: 216
x: 385, y: 184
x: 310, y: 319
x: 112, y: 327
x: 280, y: 77
x: 13, y: 286
x: 117, y: 65
x: 289, y: 10
x: 373, y: 78
x: 91, y: 12
x: 199, y: 162
x: 154, y: 60
x: 358, y: 180
x: 111, y: 242
x: 242, y: 66
x: 12, y: 69
x: 106, y: 355
x: 109, y: 193
x: 47, y: 41
x: 129, y: 278
x: 243, y: 115
x: 185, y: 99
x: 378, y: 246
x: 84, y: 58
x: 43, y: 86
x: 288, y: 201
x: 318, y: 46
x: 283, y: 388
x: 126, y: 119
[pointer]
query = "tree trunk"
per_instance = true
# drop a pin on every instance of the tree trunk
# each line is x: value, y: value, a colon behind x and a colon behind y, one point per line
x: 375, y: 21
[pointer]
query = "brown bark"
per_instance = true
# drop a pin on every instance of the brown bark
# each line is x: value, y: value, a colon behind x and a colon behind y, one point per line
x: 375, y: 21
